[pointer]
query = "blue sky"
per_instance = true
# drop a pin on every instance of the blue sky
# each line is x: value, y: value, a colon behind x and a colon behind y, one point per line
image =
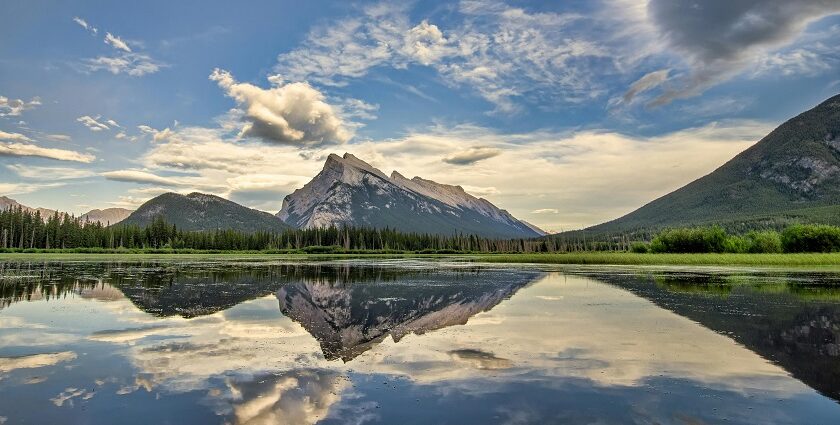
x: 565, y: 113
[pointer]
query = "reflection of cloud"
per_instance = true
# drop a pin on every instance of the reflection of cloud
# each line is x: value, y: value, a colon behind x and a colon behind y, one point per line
x: 124, y: 335
x: 69, y: 394
x: 8, y: 364
x: 480, y: 359
x: 295, y: 397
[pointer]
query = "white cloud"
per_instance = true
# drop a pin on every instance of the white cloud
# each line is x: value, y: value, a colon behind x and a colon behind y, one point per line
x: 139, y: 176
x: 14, y: 137
x: 796, y: 62
x: 546, y: 211
x: 293, y: 113
x: 83, y: 23
x: 48, y: 173
x: 133, y: 64
x: 21, y: 188
x: 92, y: 123
x: 503, y: 53
x: 116, y: 42
x: 14, y: 107
x: 28, y: 149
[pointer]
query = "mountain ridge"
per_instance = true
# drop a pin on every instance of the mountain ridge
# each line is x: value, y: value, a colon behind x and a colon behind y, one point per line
x: 200, y: 211
x: 349, y: 191
x: 104, y: 216
x: 791, y: 174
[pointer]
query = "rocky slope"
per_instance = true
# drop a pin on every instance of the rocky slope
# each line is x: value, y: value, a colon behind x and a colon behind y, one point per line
x: 349, y: 191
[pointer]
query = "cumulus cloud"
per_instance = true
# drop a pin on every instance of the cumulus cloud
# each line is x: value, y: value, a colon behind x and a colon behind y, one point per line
x: 133, y: 64
x: 116, y: 42
x: 92, y: 123
x: 292, y: 114
x: 720, y: 38
x: 472, y: 155
x: 15, y: 107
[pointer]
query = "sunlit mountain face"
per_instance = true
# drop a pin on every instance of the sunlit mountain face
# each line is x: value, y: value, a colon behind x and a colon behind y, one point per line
x: 383, y: 342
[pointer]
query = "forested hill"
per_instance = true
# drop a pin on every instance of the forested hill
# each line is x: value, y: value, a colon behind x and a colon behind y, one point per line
x: 792, y: 174
x: 199, y: 211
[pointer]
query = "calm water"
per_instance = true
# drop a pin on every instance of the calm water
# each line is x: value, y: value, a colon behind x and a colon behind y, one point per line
x: 414, y: 342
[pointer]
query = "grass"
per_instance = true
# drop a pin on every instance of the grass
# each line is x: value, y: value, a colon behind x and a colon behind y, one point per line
x: 629, y: 258
x: 605, y: 258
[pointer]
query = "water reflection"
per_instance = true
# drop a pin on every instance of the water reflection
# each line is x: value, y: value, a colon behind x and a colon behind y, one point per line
x: 259, y: 343
x: 792, y: 319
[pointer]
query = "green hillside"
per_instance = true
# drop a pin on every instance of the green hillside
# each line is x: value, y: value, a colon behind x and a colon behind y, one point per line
x: 198, y: 211
x: 791, y: 175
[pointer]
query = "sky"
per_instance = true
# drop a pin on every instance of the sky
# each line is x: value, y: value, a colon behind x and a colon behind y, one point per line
x: 567, y: 114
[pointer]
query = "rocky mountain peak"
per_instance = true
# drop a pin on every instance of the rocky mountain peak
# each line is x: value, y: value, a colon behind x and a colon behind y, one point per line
x: 350, y: 191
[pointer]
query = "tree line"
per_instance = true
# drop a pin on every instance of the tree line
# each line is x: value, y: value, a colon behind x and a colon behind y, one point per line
x: 28, y: 230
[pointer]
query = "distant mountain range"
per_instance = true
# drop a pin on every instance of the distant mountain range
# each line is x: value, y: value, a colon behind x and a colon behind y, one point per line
x: 792, y: 174
x: 105, y: 217
x: 199, y: 211
x: 349, y: 191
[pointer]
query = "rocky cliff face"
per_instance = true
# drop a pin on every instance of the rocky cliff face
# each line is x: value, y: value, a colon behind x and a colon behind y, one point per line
x: 349, y: 191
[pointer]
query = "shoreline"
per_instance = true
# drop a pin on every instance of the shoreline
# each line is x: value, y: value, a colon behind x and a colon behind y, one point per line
x: 592, y: 258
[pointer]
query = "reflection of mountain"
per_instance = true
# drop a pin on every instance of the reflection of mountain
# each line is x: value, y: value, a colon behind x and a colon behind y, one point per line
x: 772, y: 319
x: 348, y: 320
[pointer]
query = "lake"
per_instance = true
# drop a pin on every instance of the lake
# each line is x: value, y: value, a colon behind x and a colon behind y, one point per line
x: 415, y: 342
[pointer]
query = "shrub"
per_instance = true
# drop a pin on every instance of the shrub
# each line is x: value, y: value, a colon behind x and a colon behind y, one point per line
x: 811, y: 238
x: 737, y: 244
x: 766, y: 242
x: 690, y: 240
x: 319, y: 249
x: 639, y: 247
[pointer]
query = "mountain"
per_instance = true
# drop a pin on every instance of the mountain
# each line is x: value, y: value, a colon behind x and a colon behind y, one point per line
x: 792, y: 174
x: 199, y: 211
x: 107, y: 216
x: 104, y: 217
x: 9, y: 203
x: 349, y: 191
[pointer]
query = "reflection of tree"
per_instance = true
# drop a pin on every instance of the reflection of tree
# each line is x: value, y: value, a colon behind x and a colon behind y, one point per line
x: 796, y: 326
x: 347, y: 320
x: 187, y: 290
